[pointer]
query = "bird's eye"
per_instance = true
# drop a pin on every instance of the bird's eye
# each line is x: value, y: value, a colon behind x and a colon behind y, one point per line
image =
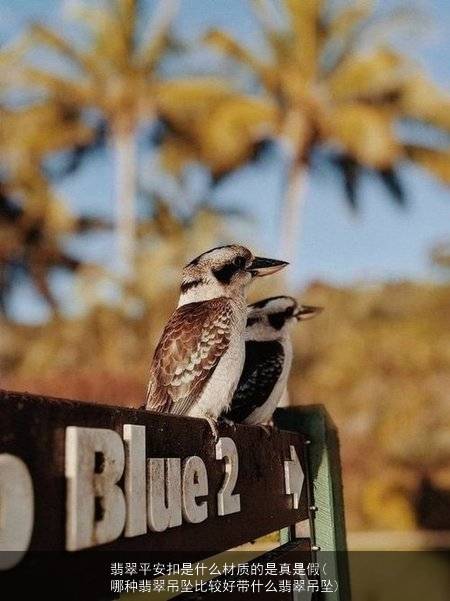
x: 225, y: 273
x: 277, y: 320
x: 251, y: 321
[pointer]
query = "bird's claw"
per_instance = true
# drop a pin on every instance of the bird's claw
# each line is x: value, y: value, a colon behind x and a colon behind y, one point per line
x: 212, y: 423
x: 228, y: 422
x: 268, y: 428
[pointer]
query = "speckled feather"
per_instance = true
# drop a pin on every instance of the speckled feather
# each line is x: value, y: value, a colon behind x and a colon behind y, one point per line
x: 263, y: 366
x: 193, y: 341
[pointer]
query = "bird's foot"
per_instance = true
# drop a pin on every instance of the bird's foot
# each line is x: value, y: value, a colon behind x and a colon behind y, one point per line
x: 212, y: 423
x: 268, y: 428
x: 228, y: 422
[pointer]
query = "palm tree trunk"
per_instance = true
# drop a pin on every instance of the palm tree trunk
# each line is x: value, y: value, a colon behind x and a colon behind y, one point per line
x: 291, y: 213
x: 125, y: 158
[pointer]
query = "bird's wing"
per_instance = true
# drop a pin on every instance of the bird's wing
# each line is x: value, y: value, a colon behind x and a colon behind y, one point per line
x: 264, y: 363
x: 193, y: 341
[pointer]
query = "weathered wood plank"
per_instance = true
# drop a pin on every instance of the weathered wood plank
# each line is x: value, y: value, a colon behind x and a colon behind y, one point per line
x: 33, y: 428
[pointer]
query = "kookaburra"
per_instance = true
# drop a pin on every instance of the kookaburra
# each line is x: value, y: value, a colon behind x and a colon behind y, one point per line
x: 200, y: 356
x: 268, y: 358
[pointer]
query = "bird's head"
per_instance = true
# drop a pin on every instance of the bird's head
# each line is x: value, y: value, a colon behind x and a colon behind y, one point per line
x: 271, y: 318
x: 223, y: 271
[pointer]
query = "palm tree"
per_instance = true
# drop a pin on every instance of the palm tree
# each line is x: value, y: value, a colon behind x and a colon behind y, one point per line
x: 116, y: 75
x: 33, y: 219
x: 24, y: 148
x: 213, y: 125
x: 332, y: 92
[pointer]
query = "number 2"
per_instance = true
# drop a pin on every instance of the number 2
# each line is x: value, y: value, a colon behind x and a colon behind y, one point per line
x: 227, y: 502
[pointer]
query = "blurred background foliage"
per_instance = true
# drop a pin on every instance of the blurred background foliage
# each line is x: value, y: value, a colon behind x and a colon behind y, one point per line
x: 327, y: 89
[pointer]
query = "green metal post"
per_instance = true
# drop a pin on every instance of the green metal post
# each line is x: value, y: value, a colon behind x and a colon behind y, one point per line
x: 328, y: 531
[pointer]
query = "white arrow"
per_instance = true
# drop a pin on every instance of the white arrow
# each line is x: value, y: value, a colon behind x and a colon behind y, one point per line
x: 293, y: 477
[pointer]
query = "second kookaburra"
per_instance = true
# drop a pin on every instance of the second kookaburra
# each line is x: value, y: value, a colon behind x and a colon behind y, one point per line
x: 268, y: 358
x: 200, y: 356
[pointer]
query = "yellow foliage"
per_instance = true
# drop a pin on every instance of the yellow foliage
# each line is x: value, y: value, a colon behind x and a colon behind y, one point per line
x: 367, y: 76
x: 436, y: 161
x: 212, y: 125
x: 175, y: 153
x: 321, y: 77
x: 423, y: 100
x: 228, y: 136
x: 387, y: 507
x: 365, y: 133
x: 184, y: 103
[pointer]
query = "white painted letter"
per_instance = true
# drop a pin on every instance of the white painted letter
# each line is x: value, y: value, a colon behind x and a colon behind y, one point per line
x: 195, y: 484
x: 135, y: 484
x: 164, y: 493
x: 95, y: 504
x: 226, y: 501
x: 16, y: 510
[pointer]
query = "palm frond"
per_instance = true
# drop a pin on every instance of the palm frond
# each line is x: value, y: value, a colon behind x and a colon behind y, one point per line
x: 175, y: 153
x: 228, y: 138
x: 158, y: 34
x: 31, y: 78
x: 350, y: 172
x: 343, y: 24
x: 304, y: 19
x: 78, y: 153
x: 53, y: 40
x: 366, y: 133
x: 230, y: 47
x: 183, y: 103
x: 393, y: 185
x: 435, y: 161
x: 367, y: 76
x: 108, y: 38
x: 423, y: 100
x: 128, y: 12
x: 10, y: 212
x: 267, y: 15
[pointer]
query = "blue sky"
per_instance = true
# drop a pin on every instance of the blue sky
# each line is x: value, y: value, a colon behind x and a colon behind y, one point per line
x: 380, y: 242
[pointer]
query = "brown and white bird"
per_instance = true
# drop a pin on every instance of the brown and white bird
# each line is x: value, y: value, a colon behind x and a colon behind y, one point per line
x: 268, y: 358
x: 200, y: 356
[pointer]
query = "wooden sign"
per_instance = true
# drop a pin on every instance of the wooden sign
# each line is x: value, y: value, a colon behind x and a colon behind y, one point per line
x: 76, y: 476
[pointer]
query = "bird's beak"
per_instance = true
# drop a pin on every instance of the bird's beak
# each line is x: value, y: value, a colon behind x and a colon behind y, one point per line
x: 307, y: 312
x: 260, y: 267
